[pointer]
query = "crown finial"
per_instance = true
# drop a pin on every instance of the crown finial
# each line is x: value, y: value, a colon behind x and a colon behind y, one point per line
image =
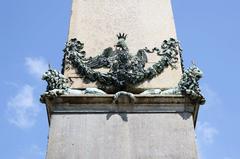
x: 49, y: 66
x: 122, y: 36
x: 193, y: 63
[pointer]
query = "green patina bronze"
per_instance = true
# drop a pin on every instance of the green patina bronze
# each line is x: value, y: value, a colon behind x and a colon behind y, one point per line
x: 124, y: 69
x: 58, y: 85
x: 188, y: 85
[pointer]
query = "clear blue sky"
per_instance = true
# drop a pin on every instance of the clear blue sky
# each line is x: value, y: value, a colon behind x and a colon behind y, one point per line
x: 33, y: 33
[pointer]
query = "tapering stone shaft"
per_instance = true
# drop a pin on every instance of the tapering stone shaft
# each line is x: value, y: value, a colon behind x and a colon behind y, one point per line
x: 147, y: 23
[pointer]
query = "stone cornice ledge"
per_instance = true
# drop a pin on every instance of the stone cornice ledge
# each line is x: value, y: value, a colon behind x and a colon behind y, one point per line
x: 106, y: 104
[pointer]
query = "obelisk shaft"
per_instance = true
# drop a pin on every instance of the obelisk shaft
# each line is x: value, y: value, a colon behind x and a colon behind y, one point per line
x: 147, y: 23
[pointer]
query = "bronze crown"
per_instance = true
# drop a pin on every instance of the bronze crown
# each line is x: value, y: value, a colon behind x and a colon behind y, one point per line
x: 122, y: 36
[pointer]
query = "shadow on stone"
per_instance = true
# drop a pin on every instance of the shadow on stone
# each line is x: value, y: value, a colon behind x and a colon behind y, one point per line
x: 122, y: 115
x: 185, y: 115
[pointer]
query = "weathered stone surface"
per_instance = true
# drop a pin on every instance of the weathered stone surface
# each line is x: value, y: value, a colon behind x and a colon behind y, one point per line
x: 148, y: 23
x: 93, y: 127
x: 118, y: 136
x: 107, y: 103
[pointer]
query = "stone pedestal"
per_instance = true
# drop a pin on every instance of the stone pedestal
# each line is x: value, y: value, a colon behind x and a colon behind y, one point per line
x: 157, y: 127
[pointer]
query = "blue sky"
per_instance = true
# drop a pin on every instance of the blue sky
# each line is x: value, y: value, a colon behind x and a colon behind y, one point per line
x: 33, y: 33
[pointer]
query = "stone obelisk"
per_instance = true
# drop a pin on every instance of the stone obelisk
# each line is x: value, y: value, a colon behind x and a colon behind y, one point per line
x: 147, y: 24
x: 155, y: 119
